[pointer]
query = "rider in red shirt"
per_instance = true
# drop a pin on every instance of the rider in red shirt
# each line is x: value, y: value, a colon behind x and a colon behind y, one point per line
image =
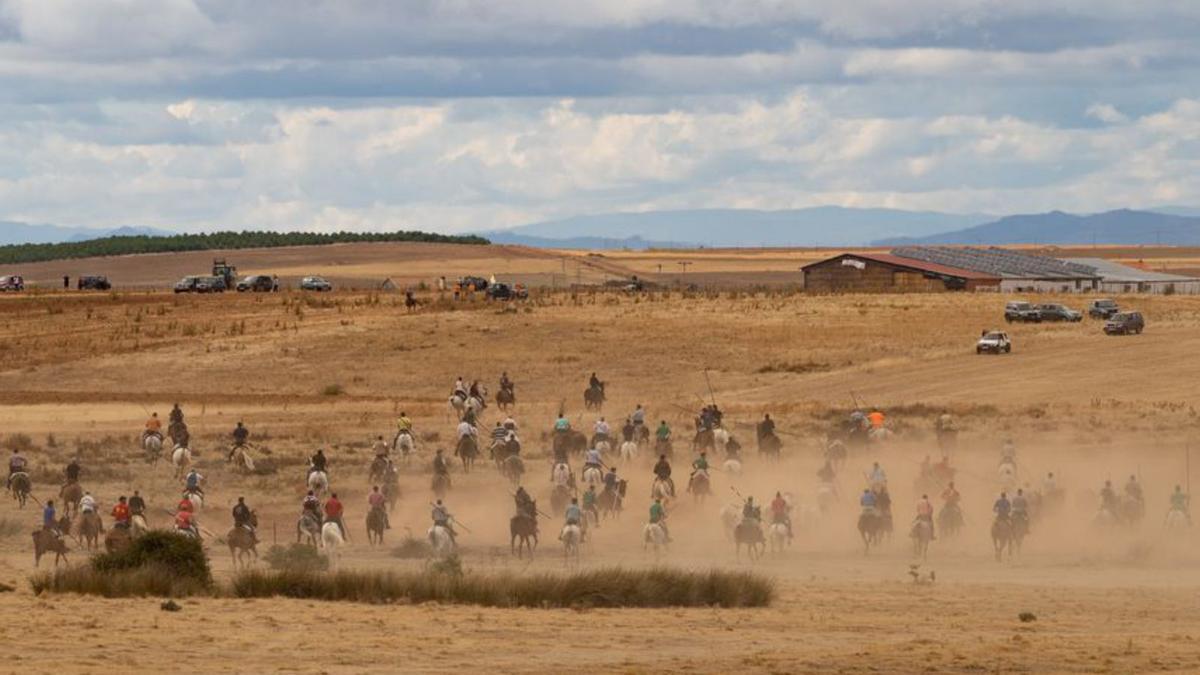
x: 183, y: 521
x: 120, y: 514
x: 376, y: 500
x: 779, y: 512
x: 333, y: 513
x: 185, y: 504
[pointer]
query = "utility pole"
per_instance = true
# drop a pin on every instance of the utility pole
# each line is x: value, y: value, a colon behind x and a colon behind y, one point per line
x: 684, y: 264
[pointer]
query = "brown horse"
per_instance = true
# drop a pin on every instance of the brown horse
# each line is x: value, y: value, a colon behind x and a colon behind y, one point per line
x: 1002, y: 537
x: 45, y: 541
x: 524, y: 527
x: 242, y: 543
x: 117, y: 539
x: 376, y: 524
x: 90, y: 528
x: 749, y: 534
x: 69, y: 495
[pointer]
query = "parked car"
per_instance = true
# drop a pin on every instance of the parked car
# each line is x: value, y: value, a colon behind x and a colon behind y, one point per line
x: 1103, y: 308
x: 258, y: 283
x: 1056, y: 312
x: 200, y: 284
x: 473, y: 283
x: 1019, y: 310
x: 1124, y: 323
x: 317, y: 284
x: 94, y: 283
x: 13, y: 283
x: 503, y: 291
x: 994, y: 342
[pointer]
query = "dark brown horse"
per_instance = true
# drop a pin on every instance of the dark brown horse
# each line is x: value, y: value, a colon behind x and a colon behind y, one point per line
x: 523, y: 526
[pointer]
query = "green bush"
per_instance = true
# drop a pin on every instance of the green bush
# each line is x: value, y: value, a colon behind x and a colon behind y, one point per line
x: 183, y: 556
x: 296, y: 558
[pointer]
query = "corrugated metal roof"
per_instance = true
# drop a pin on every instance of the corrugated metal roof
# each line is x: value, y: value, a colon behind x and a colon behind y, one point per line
x: 1113, y: 271
x: 919, y: 265
x: 998, y: 262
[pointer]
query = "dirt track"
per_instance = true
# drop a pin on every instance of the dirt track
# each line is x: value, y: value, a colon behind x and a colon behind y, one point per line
x: 1077, y: 403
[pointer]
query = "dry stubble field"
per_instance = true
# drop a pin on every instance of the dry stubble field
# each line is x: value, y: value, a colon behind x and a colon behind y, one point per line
x: 79, y: 373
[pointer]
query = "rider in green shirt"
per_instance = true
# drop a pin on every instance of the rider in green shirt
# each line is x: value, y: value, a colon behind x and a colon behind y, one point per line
x: 700, y: 464
x: 1179, y: 502
x: 663, y: 432
x: 658, y: 515
x: 589, y: 503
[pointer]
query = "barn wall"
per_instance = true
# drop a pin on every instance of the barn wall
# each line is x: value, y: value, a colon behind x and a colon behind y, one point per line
x: 834, y: 277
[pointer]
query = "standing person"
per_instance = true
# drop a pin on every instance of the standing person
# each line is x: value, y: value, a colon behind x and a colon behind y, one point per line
x: 66, y: 282
x: 333, y: 513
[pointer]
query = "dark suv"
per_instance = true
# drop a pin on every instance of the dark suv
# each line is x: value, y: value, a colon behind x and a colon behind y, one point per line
x: 1102, y: 309
x: 1056, y: 312
x: 1019, y: 310
x: 200, y: 284
x: 503, y: 291
x: 1124, y: 323
x: 94, y: 283
x: 259, y: 283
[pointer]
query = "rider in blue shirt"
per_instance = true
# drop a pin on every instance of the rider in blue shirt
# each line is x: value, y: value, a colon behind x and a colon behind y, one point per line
x: 1002, y: 507
x: 867, y: 501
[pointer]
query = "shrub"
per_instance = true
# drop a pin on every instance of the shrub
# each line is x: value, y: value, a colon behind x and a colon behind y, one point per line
x: 296, y: 558
x: 183, y: 556
x: 333, y: 390
x: 610, y: 587
x: 148, y: 580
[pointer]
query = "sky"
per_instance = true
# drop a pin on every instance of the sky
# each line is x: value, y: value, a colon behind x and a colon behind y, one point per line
x: 470, y: 115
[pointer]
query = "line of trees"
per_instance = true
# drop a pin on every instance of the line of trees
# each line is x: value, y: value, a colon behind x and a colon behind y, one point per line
x: 127, y: 245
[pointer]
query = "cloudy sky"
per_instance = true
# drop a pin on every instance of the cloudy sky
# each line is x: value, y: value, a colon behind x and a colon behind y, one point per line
x: 455, y: 115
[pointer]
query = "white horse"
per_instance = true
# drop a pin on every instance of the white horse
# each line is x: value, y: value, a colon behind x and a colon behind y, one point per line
x: 654, y: 535
x: 404, y: 444
x: 732, y: 467
x: 661, y: 489
x: 571, y: 537
x: 720, y: 439
x: 318, y: 482
x: 603, y: 447
x: 137, y: 526
x: 153, y: 445
x: 731, y: 515
x: 778, y: 534
x: 1007, y: 472
x: 242, y: 460
x: 1176, y: 521
x: 592, y: 476
x: 629, y: 451
x: 441, y: 541
x: 181, y: 458
x: 561, y: 475
x: 332, y: 542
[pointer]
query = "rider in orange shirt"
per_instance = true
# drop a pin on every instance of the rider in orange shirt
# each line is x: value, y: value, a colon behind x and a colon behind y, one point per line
x: 120, y: 514
x: 876, y: 419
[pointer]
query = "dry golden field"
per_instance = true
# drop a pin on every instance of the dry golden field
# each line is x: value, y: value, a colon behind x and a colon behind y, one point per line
x: 79, y: 373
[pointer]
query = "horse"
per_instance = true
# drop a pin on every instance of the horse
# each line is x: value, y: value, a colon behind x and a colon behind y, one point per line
x: 513, y: 468
x: 731, y: 514
x: 654, y: 535
x: 1002, y: 536
x: 523, y: 527
x: 137, y: 525
x: 1132, y: 510
x: 505, y: 399
x: 45, y: 541
x: 242, y: 460
x: 1020, y: 529
x: 117, y: 539
x: 569, y: 442
x: 376, y: 524
x: 699, y: 486
x: 610, y: 501
x: 748, y: 533
x: 152, y: 445
x: 571, y: 537
x: 391, y: 491
x: 826, y: 497
x: 332, y: 541
x: 440, y: 485
x: 594, y: 397
x: 181, y: 459
x: 703, y: 441
x: 318, y: 482
x: 769, y: 446
x: 950, y: 520
x: 467, y: 450
x: 1176, y: 521
x: 720, y: 439
x: 69, y: 495
x: 560, y: 475
x: 922, y: 534
x: 592, y: 475
x: 1007, y: 475
x: 732, y: 467
x: 835, y: 452
x: 310, y: 525
x: 661, y: 489
x: 90, y: 528
x: 629, y: 452
x: 870, y: 528
x: 664, y: 446
x: 378, y: 469
x: 779, y: 537
x: 404, y: 444
x: 242, y: 543
x: 441, y: 542
x: 21, y: 488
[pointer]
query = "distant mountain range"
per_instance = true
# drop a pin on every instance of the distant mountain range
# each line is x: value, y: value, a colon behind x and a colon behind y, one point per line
x: 1111, y: 227
x: 26, y: 233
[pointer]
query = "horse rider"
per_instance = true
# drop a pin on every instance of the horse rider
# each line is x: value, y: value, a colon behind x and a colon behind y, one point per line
x: 868, y: 502
x: 781, y: 512
x: 610, y: 480
x: 699, y: 466
x: 50, y: 519
x: 662, y: 470
x: 592, y: 459
x: 589, y: 503
x: 440, y: 466
x: 193, y: 481
x: 1108, y: 498
x: 663, y: 433
x: 658, y: 516
x: 318, y: 462
x: 185, y: 504
x: 377, y: 501
x: 1179, y: 502
x: 826, y: 474
x: 1133, y: 489
x: 524, y: 502
x: 942, y: 470
x: 1049, y: 484
x: 476, y: 391
x: 184, y: 521
x: 499, y: 436
x: 403, y: 424
x: 638, y: 417
x: 182, y: 436
x: 1020, y: 507
x: 153, y: 427
x: 311, y: 505
x: 628, y: 431
x: 574, y: 515
x: 334, y: 512
x: 441, y: 517
x: 242, y: 517
x: 883, y: 500
x: 176, y: 415
x: 72, y: 471
x: 505, y: 383
x: 137, y: 505
x: 240, y: 436
x: 16, y: 464
x: 1008, y: 452
x: 120, y: 514
x: 381, y: 448
x: 562, y: 425
x: 87, y: 503
x: 600, y: 431
x: 877, y: 476
x: 925, y: 513
x: 950, y: 496
x: 766, y: 427
x: 595, y: 383
x: 751, y: 512
x: 1002, y: 508
x: 460, y: 388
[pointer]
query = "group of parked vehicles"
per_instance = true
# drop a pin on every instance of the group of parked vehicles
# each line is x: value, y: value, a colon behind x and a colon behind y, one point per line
x: 1116, y: 321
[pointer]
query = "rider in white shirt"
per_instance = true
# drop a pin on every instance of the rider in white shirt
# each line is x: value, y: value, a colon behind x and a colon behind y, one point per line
x: 592, y: 458
x: 466, y: 429
x: 87, y: 503
x: 601, y: 428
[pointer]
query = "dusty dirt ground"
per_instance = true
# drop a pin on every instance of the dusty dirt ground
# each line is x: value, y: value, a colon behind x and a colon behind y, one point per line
x: 80, y: 373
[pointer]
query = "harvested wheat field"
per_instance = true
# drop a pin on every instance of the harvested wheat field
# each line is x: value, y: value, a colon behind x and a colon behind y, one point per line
x: 80, y: 374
